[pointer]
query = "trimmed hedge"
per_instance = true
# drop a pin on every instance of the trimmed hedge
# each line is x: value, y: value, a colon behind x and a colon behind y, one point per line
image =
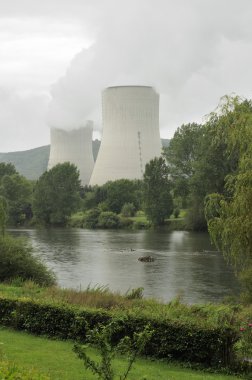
x: 209, y: 346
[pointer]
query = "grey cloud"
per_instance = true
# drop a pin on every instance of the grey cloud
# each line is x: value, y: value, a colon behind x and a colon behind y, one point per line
x: 22, y: 119
x: 192, y: 51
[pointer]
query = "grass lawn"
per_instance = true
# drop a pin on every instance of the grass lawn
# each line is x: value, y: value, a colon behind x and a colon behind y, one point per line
x: 56, y: 359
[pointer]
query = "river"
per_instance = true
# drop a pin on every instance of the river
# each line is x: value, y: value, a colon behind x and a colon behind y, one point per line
x: 185, y: 263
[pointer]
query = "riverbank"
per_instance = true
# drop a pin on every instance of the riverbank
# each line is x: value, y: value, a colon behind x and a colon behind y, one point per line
x: 203, y: 335
x: 185, y: 263
x: 139, y: 221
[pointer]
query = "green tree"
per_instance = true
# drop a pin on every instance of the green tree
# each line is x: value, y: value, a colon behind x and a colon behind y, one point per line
x: 183, y: 149
x: 57, y: 194
x: 158, y: 203
x: 123, y: 191
x: 7, y: 169
x: 3, y: 214
x: 201, y: 156
x: 17, y: 190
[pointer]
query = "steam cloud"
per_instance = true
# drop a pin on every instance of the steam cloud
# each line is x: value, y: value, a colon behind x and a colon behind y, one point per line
x: 171, y: 46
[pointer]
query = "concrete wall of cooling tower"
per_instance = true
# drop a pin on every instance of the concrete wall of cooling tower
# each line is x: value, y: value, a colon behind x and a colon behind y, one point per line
x: 74, y: 146
x: 130, y: 133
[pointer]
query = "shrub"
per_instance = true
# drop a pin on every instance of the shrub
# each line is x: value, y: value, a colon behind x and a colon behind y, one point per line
x: 176, y: 212
x: 128, y: 209
x: 243, y: 346
x: 91, y: 218
x: 209, y: 344
x: 103, y: 206
x: 141, y: 224
x: 101, y: 337
x: 108, y: 219
x: 126, y: 223
x: 16, y: 260
x: 245, y: 278
x: 77, y: 220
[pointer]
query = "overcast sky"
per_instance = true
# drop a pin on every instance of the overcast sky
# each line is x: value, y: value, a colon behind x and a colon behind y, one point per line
x: 57, y: 55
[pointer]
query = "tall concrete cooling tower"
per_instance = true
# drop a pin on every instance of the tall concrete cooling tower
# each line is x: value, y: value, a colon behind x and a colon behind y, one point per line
x: 130, y: 133
x: 74, y: 146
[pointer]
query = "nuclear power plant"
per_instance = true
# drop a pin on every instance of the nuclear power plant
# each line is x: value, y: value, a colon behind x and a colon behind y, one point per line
x: 74, y: 146
x: 131, y: 138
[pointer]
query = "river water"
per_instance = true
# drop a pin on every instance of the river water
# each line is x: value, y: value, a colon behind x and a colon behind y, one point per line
x: 184, y: 263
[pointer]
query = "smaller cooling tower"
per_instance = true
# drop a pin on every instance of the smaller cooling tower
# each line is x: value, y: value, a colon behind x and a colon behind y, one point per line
x: 131, y: 138
x: 73, y: 146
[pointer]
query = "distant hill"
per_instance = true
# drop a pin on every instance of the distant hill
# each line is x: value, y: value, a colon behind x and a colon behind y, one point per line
x: 32, y: 163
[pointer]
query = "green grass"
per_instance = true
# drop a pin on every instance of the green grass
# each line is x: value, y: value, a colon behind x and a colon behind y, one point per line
x: 56, y: 359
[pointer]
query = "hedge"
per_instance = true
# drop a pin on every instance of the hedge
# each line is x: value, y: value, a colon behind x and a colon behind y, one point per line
x: 209, y: 346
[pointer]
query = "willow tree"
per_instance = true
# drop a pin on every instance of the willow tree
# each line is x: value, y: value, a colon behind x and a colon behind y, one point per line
x: 229, y: 215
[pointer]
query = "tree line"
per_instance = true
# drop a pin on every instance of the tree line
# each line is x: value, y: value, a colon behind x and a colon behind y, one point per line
x: 58, y: 193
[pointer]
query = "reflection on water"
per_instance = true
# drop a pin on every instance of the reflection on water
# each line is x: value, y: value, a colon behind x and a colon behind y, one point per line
x: 185, y: 262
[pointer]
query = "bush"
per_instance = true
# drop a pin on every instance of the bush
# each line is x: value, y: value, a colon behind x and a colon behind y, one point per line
x: 176, y: 212
x: 126, y: 223
x: 16, y: 260
x: 141, y: 224
x: 76, y: 220
x: 91, y: 218
x: 128, y: 209
x: 245, y: 278
x: 108, y: 219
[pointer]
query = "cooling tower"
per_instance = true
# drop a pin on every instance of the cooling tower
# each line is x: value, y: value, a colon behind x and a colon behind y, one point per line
x: 74, y: 146
x: 130, y: 133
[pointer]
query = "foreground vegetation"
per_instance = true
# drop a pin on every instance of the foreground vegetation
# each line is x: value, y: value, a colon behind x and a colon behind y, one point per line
x: 206, y: 334
x: 56, y: 360
x: 17, y: 261
x: 213, y: 336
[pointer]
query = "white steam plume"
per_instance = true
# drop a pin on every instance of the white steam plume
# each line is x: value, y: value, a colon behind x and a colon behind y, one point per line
x: 171, y: 46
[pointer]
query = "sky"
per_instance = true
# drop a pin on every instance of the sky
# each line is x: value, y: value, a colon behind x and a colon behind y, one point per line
x: 56, y: 56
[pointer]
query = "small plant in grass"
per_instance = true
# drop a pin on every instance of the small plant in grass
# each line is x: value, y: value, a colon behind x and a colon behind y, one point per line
x: 102, y: 338
x: 10, y: 371
x: 243, y: 346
